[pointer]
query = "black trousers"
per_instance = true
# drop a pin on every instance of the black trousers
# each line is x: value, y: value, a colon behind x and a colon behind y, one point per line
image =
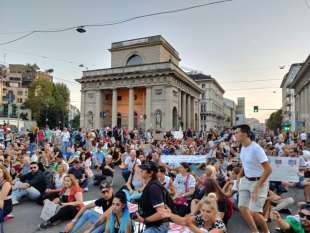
x: 65, y: 213
x: 182, y: 210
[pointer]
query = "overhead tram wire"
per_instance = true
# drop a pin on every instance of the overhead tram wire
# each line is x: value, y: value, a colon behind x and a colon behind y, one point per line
x: 116, y: 22
x: 69, y: 61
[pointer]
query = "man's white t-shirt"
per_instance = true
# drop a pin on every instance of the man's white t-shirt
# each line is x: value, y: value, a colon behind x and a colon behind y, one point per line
x: 130, y: 163
x: 252, y: 157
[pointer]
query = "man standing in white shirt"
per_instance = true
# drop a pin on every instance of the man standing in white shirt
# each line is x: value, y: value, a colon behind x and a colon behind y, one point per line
x: 253, y: 185
x: 65, y: 138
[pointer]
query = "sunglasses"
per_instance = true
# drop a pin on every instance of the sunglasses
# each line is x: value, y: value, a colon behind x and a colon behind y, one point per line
x: 33, y: 168
x: 304, y: 216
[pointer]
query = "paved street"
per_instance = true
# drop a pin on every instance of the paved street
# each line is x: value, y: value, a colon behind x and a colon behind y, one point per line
x: 27, y: 216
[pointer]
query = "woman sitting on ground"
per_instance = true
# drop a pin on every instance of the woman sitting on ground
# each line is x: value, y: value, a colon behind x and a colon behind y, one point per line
x: 70, y: 200
x: 211, y: 186
x: 135, y: 183
x: 205, y: 222
x: 119, y: 220
x: 5, y: 191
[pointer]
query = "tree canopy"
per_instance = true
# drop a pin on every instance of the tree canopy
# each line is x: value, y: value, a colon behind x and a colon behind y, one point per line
x: 49, y: 103
x: 275, y: 120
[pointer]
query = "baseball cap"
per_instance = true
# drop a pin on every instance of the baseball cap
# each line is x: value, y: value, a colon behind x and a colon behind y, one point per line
x: 149, y: 166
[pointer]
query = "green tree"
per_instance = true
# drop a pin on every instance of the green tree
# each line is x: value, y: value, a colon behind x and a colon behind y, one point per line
x: 49, y: 103
x: 75, y: 123
x: 61, y: 97
x: 39, y: 96
x: 275, y: 121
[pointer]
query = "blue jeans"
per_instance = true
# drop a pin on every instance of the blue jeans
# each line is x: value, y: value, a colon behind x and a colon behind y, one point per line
x: 32, y: 147
x: 84, y: 183
x: 162, y: 228
x: 64, y: 146
x: 91, y: 216
x: 31, y: 193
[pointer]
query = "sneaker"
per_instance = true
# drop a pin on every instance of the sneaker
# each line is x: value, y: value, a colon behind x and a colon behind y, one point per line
x: 8, y: 217
x: 15, y: 202
x: 45, y: 225
x: 86, y: 189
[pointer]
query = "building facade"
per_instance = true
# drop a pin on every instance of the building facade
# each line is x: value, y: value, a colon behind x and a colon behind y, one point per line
x: 301, y: 86
x: 212, y: 102
x: 288, y: 96
x: 15, y: 79
x: 12, y: 85
x: 240, y: 111
x: 255, y: 125
x: 144, y: 88
x: 229, y: 113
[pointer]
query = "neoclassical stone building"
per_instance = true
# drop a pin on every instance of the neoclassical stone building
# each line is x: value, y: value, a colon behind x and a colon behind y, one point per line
x: 144, y: 88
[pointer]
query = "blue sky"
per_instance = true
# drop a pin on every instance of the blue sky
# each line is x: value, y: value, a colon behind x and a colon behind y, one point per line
x: 242, y: 40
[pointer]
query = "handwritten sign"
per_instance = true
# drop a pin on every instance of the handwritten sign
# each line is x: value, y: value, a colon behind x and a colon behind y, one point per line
x: 284, y: 169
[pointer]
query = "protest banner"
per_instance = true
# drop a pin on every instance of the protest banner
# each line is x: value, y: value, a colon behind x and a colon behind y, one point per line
x: 174, y: 159
x: 284, y: 169
x: 177, y: 134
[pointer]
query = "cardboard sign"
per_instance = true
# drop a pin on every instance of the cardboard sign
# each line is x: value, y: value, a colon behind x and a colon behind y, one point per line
x: 284, y: 169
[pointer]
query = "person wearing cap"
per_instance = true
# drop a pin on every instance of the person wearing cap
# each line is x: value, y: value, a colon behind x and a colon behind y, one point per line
x: 88, y: 214
x: 298, y: 224
x: 152, y: 201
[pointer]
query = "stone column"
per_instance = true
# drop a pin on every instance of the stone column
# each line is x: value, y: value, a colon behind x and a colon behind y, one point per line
x: 148, y: 108
x: 184, y: 110
x: 131, y: 109
x: 97, y: 110
x: 114, y: 108
x: 199, y: 115
x: 189, y: 114
x: 179, y: 107
x: 192, y: 99
x: 82, y: 117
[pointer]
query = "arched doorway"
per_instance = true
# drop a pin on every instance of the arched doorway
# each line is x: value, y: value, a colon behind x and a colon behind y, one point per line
x: 119, y: 120
x: 174, y: 118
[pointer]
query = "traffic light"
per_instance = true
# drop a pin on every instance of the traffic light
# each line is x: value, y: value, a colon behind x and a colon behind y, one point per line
x: 286, y: 126
x: 255, y: 109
